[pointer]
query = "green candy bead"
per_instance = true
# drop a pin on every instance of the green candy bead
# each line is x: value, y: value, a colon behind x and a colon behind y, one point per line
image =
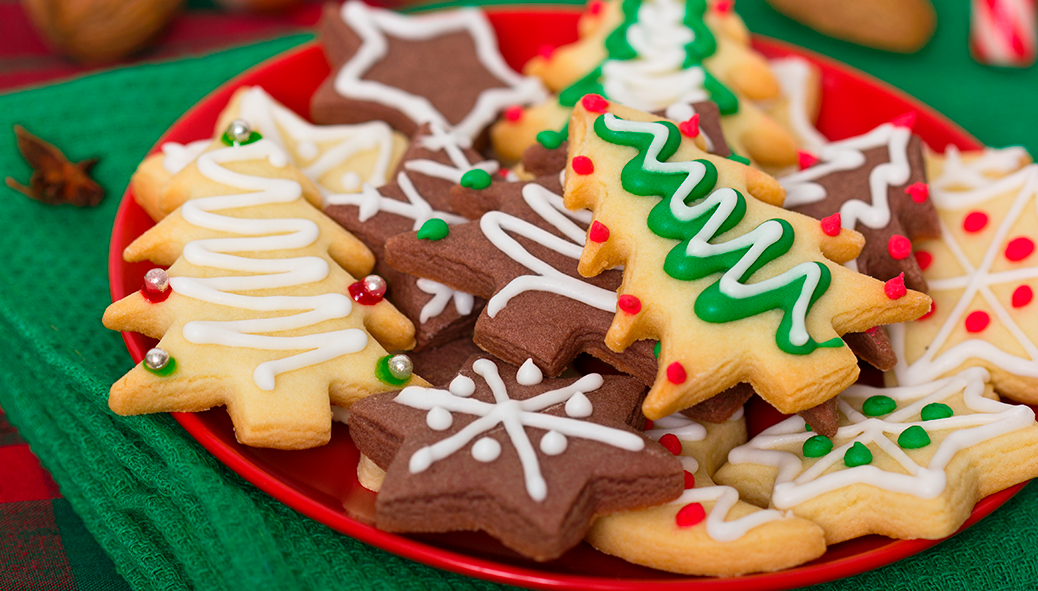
x: 878, y: 405
x: 434, y: 229
x: 477, y: 179
x: 817, y: 446
x: 549, y: 139
x: 656, y: 350
x: 936, y: 410
x: 857, y: 455
x: 913, y: 437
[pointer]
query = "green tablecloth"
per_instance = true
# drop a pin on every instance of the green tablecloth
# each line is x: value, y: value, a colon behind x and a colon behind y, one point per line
x: 170, y: 515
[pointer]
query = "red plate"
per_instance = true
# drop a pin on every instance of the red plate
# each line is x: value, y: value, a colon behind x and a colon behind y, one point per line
x: 321, y: 483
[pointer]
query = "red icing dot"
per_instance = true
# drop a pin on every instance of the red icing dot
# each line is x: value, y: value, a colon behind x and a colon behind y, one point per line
x: 690, y: 128
x: 919, y: 192
x: 583, y: 165
x: 1022, y: 296
x: 724, y: 6
x: 1019, y: 249
x: 676, y: 373
x: 594, y: 103
x: 546, y: 51
x: 975, y: 221
x: 831, y: 224
x: 899, y: 247
x: 595, y: 6
x: 929, y: 313
x: 806, y: 159
x: 690, y: 480
x: 895, y: 288
x: 905, y: 120
x: 977, y: 321
x: 514, y: 114
x: 871, y: 330
x: 924, y: 259
x: 671, y: 443
x: 363, y: 296
x: 648, y: 425
x: 598, y: 232
x: 629, y: 304
x: 690, y: 515
x: 155, y: 296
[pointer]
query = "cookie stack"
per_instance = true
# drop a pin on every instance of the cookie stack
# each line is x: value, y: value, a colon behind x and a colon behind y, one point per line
x: 435, y: 255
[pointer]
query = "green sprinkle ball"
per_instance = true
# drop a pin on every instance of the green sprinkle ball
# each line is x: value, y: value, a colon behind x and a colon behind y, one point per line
x: 913, y: 437
x: 477, y: 179
x: 549, y: 139
x: 433, y: 229
x: 817, y: 446
x: 936, y: 410
x: 878, y: 405
x: 857, y: 455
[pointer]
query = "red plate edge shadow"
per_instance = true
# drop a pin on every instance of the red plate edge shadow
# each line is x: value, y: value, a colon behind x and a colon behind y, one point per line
x: 853, y: 103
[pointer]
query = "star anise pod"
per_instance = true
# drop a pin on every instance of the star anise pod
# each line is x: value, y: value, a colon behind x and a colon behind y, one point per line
x: 54, y: 179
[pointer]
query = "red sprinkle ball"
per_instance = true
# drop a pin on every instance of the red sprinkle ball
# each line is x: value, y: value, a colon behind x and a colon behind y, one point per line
x: 1019, y: 249
x: 671, y: 443
x: 595, y: 6
x: 362, y: 296
x: 690, y: 480
x: 690, y: 128
x: 514, y: 113
x: 1022, y: 296
x: 724, y: 6
x: 975, y: 221
x: 676, y: 373
x: 924, y: 259
x: 546, y: 51
x: 919, y: 192
x: 594, y: 103
x: 806, y: 159
x: 629, y: 304
x: 831, y: 224
x: 905, y: 120
x: 895, y: 288
x: 583, y: 165
x: 977, y: 321
x: 598, y: 232
x: 899, y: 247
x: 933, y: 308
x: 690, y: 515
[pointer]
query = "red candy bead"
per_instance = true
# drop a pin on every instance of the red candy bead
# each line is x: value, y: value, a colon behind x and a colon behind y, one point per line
x: 905, y: 120
x: 806, y: 159
x: 977, y: 321
x: 1019, y: 249
x: 899, y: 247
x: 671, y: 443
x: 629, y: 304
x: 1022, y: 296
x: 514, y: 114
x: 690, y: 515
x: 831, y: 224
x: 975, y: 221
x: 594, y: 103
x: 546, y: 51
x: 583, y: 165
x: 690, y: 480
x: 895, y: 288
x: 929, y: 313
x: 690, y: 128
x: 598, y: 232
x: 919, y: 192
x: 924, y: 259
x: 676, y: 373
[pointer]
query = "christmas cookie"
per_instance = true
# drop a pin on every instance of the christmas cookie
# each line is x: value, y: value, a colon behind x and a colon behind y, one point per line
x: 735, y: 288
x: 255, y: 311
x: 657, y: 56
x: 419, y: 194
x: 982, y: 273
x: 707, y: 530
x: 907, y: 462
x: 529, y: 460
x: 442, y: 68
x: 797, y: 107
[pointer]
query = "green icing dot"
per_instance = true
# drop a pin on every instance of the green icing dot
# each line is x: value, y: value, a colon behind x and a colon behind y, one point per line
x: 382, y: 372
x: 817, y: 446
x: 656, y: 350
x: 476, y: 178
x: 878, y: 405
x: 913, y: 437
x: 739, y: 159
x: 253, y: 137
x: 166, y: 370
x: 936, y: 410
x: 549, y: 139
x: 433, y: 229
x: 857, y: 455
x: 807, y: 427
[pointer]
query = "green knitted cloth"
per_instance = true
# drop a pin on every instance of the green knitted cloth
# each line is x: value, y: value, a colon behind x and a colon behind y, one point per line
x: 170, y: 515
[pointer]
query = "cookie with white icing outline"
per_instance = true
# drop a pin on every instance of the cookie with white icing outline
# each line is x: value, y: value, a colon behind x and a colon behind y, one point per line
x: 907, y: 462
x: 253, y: 313
x: 501, y: 449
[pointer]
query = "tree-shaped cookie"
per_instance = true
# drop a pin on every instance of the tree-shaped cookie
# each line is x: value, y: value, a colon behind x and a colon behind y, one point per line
x: 657, y: 55
x: 255, y: 312
x: 907, y: 462
x: 735, y: 288
x: 529, y: 460
x: 983, y: 273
